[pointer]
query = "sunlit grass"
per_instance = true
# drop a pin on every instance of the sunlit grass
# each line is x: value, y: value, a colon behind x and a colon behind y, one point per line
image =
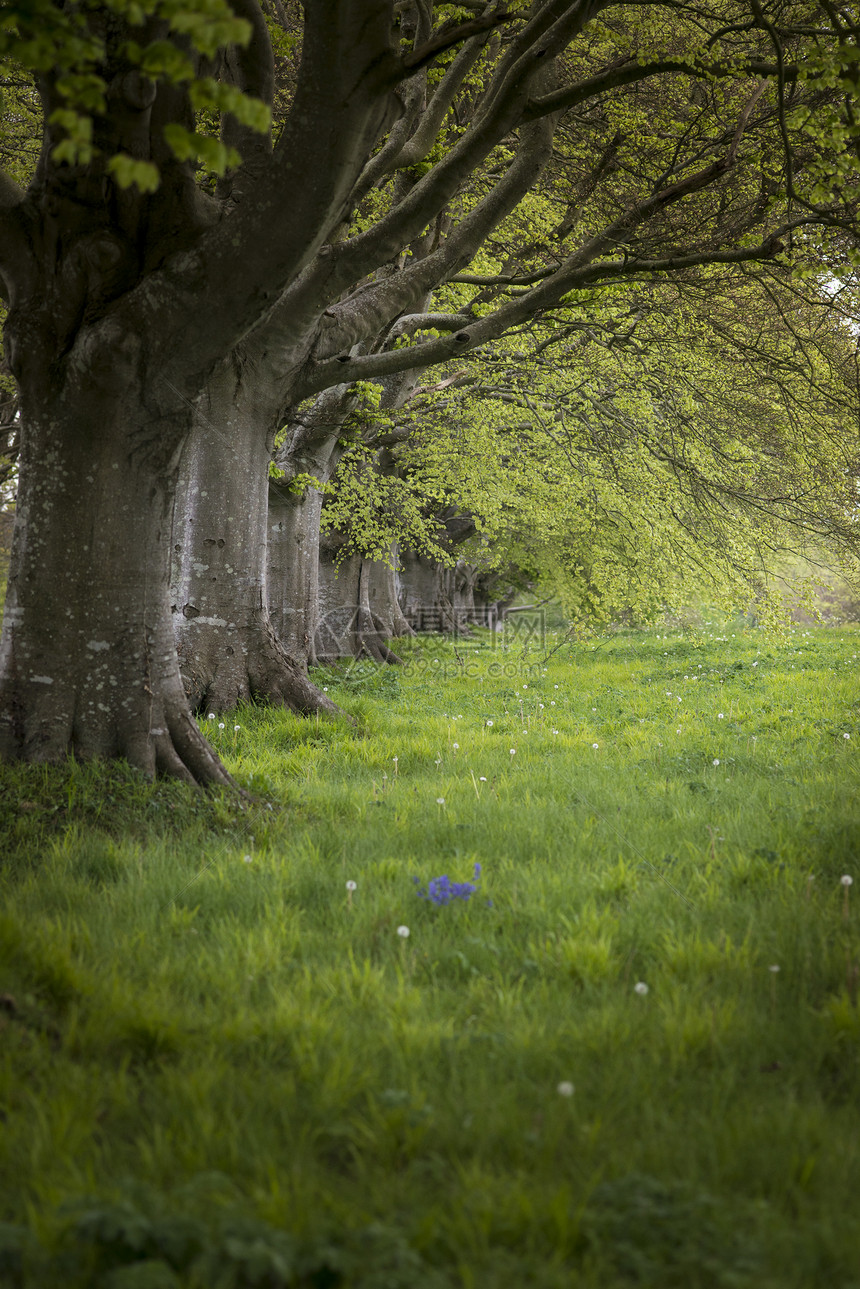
x: 245, y: 1076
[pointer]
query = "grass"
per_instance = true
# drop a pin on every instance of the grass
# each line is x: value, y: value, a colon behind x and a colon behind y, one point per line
x: 219, y: 1067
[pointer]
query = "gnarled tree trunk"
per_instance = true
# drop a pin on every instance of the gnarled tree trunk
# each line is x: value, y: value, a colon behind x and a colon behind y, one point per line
x: 87, y: 660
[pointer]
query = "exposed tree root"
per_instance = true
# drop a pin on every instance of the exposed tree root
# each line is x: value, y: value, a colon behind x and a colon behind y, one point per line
x: 249, y: 666
x: 158, y: 736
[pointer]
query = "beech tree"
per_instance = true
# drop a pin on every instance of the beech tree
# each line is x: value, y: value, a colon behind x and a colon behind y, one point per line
x: 146, y: 305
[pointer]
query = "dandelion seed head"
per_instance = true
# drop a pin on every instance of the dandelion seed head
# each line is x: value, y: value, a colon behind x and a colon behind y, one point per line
x: 716, y: 760
x: 440, y: 801
x: 847, y: 880
x: 640, y: 987
x: 565, y: 1089
x: 351, y: 886
x: 403, y: 932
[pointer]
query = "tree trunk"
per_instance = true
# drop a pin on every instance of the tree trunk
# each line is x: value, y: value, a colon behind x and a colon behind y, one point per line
x: 227, y: 646
x: 311, y: 449
x: 359, y: 611
x: 293, y: 568
x: 87, y: 660
x: 423, y: 587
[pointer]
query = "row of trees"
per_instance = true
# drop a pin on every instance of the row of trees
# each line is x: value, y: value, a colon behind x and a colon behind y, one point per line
x: 579, y: 271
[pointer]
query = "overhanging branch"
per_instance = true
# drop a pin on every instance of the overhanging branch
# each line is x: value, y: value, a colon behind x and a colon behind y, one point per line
x: 452, y: 34
x: 631, y: 72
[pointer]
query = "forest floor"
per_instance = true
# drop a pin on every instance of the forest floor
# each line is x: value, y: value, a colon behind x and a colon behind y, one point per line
x: 629, y: 1057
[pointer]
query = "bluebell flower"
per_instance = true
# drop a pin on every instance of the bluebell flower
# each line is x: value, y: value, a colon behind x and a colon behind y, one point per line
x: 441, y: 890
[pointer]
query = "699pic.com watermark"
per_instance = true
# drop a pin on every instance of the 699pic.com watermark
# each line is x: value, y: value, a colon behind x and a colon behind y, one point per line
x: 503, y: 646
x: 508, y: 646
x: 472, y: 668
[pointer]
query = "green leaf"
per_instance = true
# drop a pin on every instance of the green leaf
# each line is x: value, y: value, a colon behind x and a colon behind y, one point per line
x: 210, y: 95
x: 162, y: 58
x: 213, y: 155
x: 128, y: 172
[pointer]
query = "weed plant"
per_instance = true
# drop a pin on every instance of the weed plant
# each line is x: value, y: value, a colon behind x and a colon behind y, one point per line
x: 244, y: 1045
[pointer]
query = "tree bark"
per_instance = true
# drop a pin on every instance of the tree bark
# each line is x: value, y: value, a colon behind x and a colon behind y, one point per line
x: 228, y: 648
x: 87, y: 659
x: 293, y: 568
x: 311, y: 450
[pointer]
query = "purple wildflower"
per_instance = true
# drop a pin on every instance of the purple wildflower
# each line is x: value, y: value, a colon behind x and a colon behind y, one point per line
x: 441, y: 890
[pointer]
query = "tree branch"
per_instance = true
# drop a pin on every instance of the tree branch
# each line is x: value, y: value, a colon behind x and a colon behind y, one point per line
x: 630, y: 72
x: 417, y: 147
x: 252, y: 71
x: 412, y: 322
x: 236, y: 270
x: 578, y: 272
x: 502, y: 279
x: 365, y: 314
x: 353, y: 259
x: 453, y: 34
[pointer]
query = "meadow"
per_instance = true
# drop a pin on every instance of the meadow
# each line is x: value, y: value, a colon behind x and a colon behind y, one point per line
x: 257, y: 1041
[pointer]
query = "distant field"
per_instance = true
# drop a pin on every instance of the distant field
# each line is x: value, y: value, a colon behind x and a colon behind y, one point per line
x: 629, y: 1057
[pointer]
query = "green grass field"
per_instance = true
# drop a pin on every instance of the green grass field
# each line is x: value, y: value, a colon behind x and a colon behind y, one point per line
x: 630, y: 1057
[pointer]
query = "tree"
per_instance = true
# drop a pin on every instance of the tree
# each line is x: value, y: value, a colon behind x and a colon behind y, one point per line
x: 128, y: 300
x: 122, y: 303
